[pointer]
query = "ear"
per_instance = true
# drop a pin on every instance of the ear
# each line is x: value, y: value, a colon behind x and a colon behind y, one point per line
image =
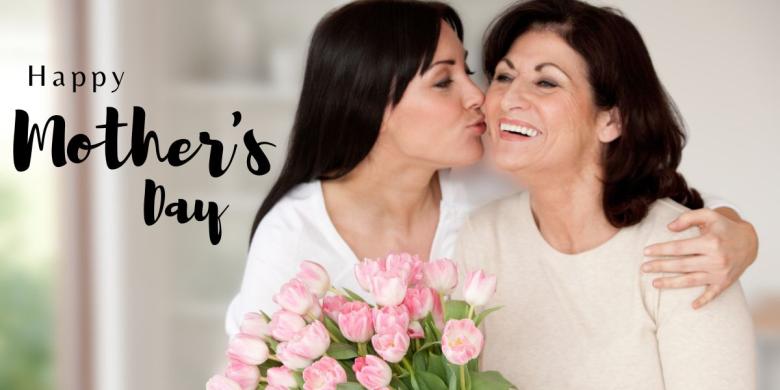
x: 610, y: 125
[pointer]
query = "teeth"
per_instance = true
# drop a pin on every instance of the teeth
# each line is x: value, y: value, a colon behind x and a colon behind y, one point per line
x: 519, y: 129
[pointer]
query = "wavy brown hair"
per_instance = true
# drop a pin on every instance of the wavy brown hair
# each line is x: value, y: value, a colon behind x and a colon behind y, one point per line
x: 640, y: 166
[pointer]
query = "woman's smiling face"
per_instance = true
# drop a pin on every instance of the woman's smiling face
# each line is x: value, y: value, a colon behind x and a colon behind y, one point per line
x: 540, y: 110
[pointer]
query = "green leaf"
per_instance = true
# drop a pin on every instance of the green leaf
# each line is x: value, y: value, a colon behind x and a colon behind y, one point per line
x: 455, y: 310
x: 333, y: 328
x: 473, y: 365
x: 349, y: 386
x: 436, y: 365
x: 432, y: 381
x: 347, y: 366
x: 428, y: 345
x: 490, y: 380
x: 452, y: 376
x: 484, y: 313
x: 341, y: 351
x: 418, y: 362
x: 398, y: 384
x: 353, y: 295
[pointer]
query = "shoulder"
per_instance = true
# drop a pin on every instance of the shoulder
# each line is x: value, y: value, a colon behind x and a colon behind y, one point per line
x: 661, y: 213
x: 286, y: 220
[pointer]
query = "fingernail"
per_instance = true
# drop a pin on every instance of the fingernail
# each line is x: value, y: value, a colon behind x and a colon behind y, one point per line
x: 656, y: 283
x: 647, y: 251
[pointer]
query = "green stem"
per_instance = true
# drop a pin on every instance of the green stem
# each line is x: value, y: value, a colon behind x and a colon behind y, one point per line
x: 471, y: 312
x: 362, y: 350
x: 443, y: 308
x: 463, y: 377
x: 274, y: 358
x: 408, y: 366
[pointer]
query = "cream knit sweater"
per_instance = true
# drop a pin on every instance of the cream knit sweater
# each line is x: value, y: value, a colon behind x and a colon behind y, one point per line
x: 592, y: 320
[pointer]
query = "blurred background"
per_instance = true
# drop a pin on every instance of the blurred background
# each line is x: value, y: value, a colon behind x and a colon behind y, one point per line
x: 92, y: 298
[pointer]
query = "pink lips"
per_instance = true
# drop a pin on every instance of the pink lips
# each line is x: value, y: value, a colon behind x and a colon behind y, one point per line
x: 479, y: 126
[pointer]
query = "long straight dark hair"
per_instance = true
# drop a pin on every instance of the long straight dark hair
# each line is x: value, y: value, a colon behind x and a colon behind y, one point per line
x: 361, y: 58
x: 641, y: 165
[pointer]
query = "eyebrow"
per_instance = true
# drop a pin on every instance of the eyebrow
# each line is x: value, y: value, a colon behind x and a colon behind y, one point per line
x: 537, y: 67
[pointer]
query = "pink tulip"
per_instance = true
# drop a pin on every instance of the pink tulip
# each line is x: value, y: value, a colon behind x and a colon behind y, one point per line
x: 391, y: 319
x: 291, y: 359
x: 221, y: 382
x: 294, y: 296
x: 372, y: 372
x: 388, y: 288
x: 314, y: 277
x: 247, y: 376
x: 365, y: 271
x: 355, y: 322
x: 332, y: 306
x: 247, y: 349
x: 311, y: 342
x: 415, y: 331
x: 315, y: 311
x: 285, y: 324
x: 479, y: 288
x: 391, y: 347
x: 282, y: 377
x: 461, y: 341
x: 441, y: 275
x: 438, y: 311
x: 254, y: 324
x: 419, y: 302
x: 405, y: 264
x: 324, y: 374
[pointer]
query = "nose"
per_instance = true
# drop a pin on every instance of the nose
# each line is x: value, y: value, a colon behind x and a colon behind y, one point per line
x: 472, y: 96
x: 515, y: 98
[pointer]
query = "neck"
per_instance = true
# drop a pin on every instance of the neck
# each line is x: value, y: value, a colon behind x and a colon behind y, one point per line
x: 568, y: 211
x: 389, y: 190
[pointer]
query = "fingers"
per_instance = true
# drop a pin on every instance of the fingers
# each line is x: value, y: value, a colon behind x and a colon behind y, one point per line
x: 680, y: 265
x: 707, y: 296
x: 692, y: 279
x: 687, y: 247
x: 692, y: 218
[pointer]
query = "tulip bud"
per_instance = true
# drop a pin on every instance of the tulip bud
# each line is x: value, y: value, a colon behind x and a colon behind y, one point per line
x: 281, y: 376
x: 247, y: 376
x: 391, y: 347
x: 314, y: 277
x: 441, y: 275
x: 256, y: 325
x: 294, y: 296
x: 221, y: 382
x: 324, y: 374
x: 311, y: 342
x: 247, y: 349
x: 479, y: 288
x: 285, y: 324
x: 372, y: 372
x: 355, y: 322
x: 419, y: 302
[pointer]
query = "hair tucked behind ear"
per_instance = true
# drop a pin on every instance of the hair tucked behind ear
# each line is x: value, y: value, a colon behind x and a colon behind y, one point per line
x: 640, y: 166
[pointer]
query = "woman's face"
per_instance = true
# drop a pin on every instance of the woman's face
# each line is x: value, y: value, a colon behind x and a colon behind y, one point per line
x: 438, y: 121
x: 540, y: 111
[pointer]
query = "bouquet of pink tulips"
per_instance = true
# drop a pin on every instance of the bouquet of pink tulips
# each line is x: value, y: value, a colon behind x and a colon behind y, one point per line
x: 324, y: 338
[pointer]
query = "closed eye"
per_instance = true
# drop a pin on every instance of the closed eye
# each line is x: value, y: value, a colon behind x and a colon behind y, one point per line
x: 546, y: 84
x: 503, y: 78
x: 443, y: 83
